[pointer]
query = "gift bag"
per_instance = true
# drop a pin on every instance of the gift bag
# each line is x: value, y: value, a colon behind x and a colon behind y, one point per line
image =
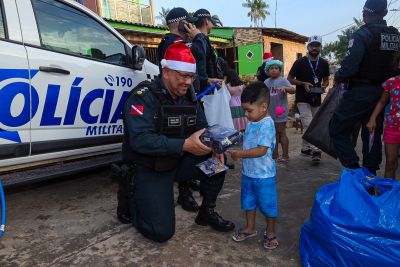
x: 317, y: 132
x: 350, y: 227
x: 217, y: 109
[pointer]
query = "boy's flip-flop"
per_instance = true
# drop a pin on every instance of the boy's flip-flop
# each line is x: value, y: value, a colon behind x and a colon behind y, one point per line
x: 240, y: 236
x: 267, y: 242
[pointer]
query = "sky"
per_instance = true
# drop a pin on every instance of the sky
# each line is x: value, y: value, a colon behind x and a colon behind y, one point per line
x: 315, y: 17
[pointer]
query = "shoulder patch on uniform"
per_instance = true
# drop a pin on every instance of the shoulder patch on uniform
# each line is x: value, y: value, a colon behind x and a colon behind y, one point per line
x: 351, y: 43
x: 141, y: 91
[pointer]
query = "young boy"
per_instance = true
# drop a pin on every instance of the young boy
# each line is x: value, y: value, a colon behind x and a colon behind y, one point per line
x: 259, y: 173
x: 279, y: 108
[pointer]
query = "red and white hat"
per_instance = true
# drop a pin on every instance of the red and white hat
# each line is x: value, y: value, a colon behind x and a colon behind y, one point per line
x: 179, y: 57
x: 267, y: 56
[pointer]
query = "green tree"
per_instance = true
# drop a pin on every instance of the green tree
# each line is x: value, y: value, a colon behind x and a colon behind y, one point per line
x: 335, y: 51
x: 258, y: 11
x: 162, y: 15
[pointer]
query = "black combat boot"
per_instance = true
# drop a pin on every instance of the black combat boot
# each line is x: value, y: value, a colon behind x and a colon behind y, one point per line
x: 123, y: 209
x: 124, y: 193
x: 185, y: 198
x: 208, y: 216
x: 194, y: 185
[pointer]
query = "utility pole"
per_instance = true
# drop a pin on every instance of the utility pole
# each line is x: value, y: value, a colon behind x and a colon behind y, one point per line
x: 276, y: 9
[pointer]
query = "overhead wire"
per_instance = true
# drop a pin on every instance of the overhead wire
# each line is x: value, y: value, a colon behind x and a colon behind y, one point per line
x: 354, y: 23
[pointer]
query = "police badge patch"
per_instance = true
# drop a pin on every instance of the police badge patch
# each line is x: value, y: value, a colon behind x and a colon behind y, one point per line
x: 390, y: 41
x: 174, y: 121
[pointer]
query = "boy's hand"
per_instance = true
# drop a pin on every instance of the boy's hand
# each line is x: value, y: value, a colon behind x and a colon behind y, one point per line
x: 235, y: 154
x: 371, y: 125
x: 219, y: 157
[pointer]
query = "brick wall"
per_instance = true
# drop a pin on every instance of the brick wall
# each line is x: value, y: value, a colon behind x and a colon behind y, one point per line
x: 248, y: 36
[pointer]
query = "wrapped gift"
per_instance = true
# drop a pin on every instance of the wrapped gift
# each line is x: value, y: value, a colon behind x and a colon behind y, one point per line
x: 220, y: 138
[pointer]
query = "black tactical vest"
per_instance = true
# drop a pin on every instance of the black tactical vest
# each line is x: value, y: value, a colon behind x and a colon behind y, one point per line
x: 381, y: 59
x: 173, y: 121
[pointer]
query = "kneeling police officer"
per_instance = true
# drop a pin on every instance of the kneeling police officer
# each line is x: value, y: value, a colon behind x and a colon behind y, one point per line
x: 162, y: 126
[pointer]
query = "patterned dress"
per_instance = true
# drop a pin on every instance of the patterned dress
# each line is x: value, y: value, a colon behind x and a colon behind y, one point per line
x: 392, y: 116
x: 239, y: 119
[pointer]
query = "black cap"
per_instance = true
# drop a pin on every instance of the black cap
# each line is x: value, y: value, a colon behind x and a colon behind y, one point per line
x: 202, y: 13
x: 177, y: 14
x: 375, y: 6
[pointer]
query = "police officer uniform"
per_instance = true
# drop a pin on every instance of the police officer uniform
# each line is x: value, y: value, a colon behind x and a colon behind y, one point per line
x: 177, y: 15
x: 213, y: 66
x: 156, y: 126
x: 372, y: 57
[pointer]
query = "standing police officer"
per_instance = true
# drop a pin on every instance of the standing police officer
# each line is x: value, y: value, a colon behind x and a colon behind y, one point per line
x: 210, y: 69
x: 372, y: 57
x: 181, y: 29
x: 162, y: 126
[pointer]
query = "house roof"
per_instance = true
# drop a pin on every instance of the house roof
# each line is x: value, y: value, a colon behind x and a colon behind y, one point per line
x: 285, y: 34
x: 158, y: 30
x: 218, y: 34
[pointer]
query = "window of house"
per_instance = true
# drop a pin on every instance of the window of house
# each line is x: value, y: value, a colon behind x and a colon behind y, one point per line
x: 66, y: 29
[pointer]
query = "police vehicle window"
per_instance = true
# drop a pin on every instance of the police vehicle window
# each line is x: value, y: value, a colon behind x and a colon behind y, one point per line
x: 65, y: 29
x: 2, y: 29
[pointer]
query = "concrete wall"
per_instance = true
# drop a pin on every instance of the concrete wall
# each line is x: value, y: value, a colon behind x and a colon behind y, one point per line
x: 290, y: 50
x: 126, y: 11
x: 282, y: 49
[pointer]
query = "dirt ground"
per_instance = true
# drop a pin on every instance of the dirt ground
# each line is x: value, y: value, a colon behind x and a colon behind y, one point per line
x: 72, y: 222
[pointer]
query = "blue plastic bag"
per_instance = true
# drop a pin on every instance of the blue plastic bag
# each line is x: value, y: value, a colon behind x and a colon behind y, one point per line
x: 349, y: 227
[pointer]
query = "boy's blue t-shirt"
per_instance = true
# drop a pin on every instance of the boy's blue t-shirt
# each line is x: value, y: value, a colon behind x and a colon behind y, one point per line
x: 261, y: 133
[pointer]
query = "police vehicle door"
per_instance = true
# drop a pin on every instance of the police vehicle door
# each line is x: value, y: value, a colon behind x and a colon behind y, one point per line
x: 83, y: 77
x: 14, y: 86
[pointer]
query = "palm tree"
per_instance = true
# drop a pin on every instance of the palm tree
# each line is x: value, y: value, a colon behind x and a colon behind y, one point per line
x: 162, y: 15
x: 216, y: 21
x: 214, y: 18
x: 258, y: 11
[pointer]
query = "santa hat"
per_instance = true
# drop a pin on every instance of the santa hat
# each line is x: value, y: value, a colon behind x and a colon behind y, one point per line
x: 179, y: 57
x: 267, y: 56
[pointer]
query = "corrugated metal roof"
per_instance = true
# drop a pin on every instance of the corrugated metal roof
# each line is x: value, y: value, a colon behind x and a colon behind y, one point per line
x: 275, y: 32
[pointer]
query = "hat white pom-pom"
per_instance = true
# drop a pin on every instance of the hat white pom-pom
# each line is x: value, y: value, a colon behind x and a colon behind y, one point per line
x: 164, y: 63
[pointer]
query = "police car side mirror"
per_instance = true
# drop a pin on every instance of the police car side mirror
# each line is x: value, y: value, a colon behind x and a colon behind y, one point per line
x: 138, y: 57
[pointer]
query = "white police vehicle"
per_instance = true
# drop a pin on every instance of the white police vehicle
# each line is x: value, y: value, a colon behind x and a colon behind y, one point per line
x: 64, y: 76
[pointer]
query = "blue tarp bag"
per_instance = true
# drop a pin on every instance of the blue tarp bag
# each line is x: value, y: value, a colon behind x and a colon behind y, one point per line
x: 350, y: 227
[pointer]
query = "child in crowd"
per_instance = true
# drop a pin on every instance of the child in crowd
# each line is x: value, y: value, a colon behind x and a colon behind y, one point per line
x: 259, y: 170
x: 235, y: 87
x: 391, y: 131
x: 278, y: 108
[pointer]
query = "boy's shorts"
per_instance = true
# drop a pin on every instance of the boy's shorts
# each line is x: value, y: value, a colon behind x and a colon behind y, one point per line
x: 260, y: 193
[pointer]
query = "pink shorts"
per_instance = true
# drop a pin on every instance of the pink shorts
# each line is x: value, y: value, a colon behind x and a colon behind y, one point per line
x: 391, y: 136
